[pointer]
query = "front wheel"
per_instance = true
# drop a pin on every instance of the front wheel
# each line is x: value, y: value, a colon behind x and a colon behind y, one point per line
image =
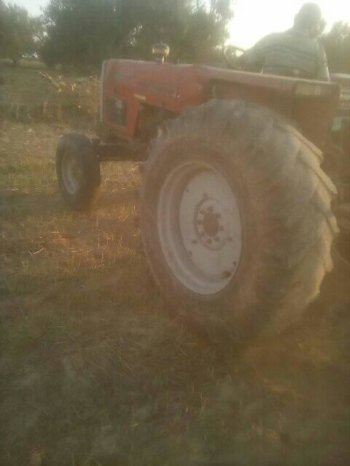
x: 236, y: 219
x: 78, y: 171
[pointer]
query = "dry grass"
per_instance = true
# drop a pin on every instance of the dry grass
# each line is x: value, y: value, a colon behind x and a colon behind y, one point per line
x: 95, y: 372
x: 33, y: 93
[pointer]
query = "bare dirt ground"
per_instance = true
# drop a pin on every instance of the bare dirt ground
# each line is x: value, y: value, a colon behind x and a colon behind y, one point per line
x: 94, y: 371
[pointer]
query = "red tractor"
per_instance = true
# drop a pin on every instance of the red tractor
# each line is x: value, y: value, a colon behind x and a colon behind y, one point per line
x: 236, y: 214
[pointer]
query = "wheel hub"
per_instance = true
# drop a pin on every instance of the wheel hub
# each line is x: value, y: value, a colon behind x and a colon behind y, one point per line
x: 209, y: 224
x: 199, y: 227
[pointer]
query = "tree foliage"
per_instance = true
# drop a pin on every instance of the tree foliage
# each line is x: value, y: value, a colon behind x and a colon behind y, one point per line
x: 17, y: 30
x: 188, y: 27
x: 81, y: 32
x: 2, y: 22
x: 337, y: 46
x: 84, y: 32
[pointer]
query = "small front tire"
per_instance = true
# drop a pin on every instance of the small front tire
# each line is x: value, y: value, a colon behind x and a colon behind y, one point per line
x: 78, y: 171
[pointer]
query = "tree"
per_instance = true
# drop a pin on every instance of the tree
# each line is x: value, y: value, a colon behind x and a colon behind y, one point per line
x: 337, y: 46
x: 206, y: 31
x: 152, y: 21
x: 17, y: 32
x: 2, y: 24
x: 80, y: 32
x: 84, y: 32
x: 190, y: 28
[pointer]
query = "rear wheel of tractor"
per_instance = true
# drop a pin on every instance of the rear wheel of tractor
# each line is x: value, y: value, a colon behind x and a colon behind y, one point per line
x: 236, y: 219
x: 78, y: 171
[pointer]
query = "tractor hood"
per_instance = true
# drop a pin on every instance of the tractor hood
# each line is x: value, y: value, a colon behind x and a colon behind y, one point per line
x: 311, y: 104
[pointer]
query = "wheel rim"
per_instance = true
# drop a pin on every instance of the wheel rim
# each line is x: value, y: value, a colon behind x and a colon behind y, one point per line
x: 199, y: 227
x: 71, y: 173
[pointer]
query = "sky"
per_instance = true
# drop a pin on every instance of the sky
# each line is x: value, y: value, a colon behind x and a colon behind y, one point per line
x: 253, y: 18
x: 33, y: 6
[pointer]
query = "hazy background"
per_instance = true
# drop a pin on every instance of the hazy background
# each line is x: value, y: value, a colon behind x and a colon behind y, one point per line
x: 253, y: 18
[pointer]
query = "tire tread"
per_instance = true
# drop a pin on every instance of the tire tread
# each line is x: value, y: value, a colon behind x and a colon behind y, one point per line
x: 286, y: 167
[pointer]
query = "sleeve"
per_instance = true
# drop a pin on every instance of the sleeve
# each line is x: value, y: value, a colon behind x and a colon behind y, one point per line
x: 254, y: 58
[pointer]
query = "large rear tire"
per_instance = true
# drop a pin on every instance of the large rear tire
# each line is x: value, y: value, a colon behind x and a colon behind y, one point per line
x: 78, y: 171
x: 236, y: 218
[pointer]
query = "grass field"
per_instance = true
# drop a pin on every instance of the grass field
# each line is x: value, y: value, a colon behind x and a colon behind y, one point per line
x: 94, y: 371
x: 33, y: 93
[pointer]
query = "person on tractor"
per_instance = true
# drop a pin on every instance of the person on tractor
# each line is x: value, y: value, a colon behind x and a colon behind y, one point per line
x: 295, y: 52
